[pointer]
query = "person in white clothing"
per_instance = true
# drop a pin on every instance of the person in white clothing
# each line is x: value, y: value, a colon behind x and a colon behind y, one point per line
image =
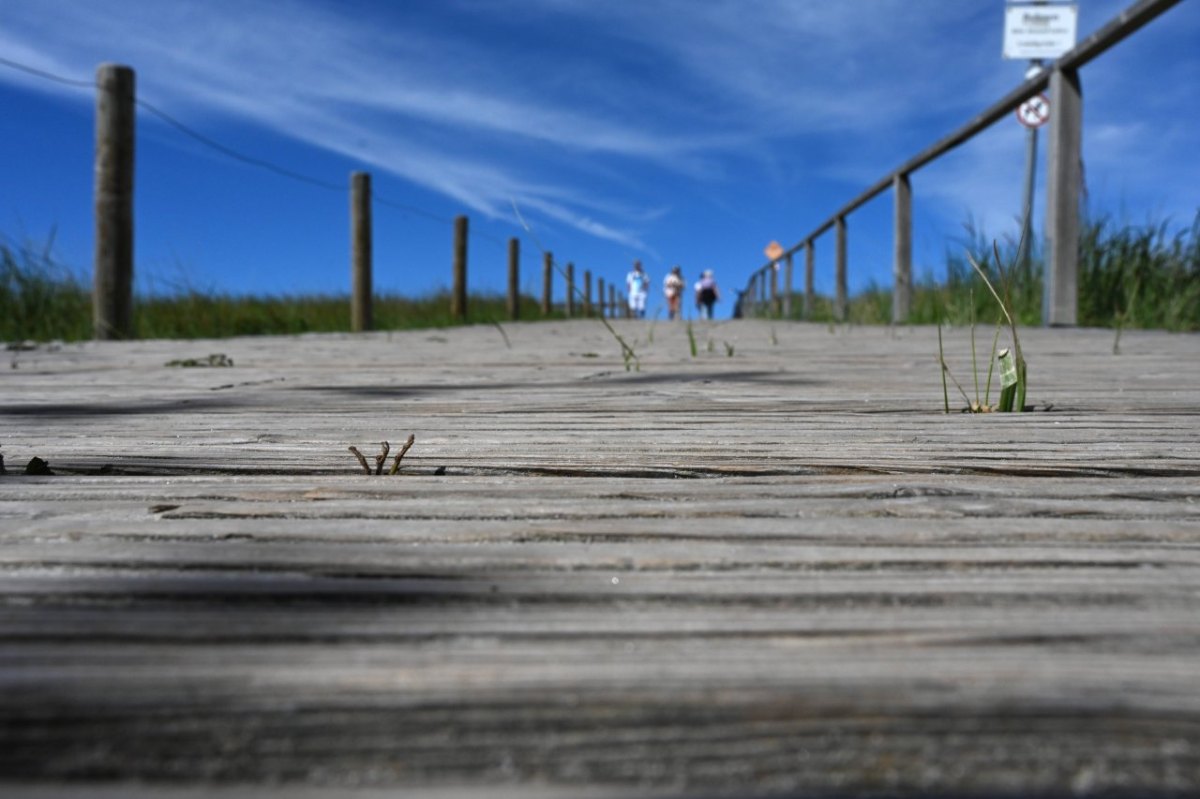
x: 637, y: 284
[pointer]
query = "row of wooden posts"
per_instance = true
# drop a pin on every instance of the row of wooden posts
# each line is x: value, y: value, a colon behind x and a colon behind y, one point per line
x: 1064, y: 187
x: 112, y: 289
x: 577, y: 299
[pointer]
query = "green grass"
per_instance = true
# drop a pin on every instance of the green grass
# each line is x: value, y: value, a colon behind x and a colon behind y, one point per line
x: 42, y: 300
x: 1140, y: 276
x: 1131, y: 276
x: 198, y: 315
x: 39, y: 298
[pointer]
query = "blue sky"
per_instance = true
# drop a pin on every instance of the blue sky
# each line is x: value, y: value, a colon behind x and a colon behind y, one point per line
x: 674, y: 131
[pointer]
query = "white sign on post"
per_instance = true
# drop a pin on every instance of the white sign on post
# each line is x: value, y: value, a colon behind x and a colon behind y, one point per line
x: 1039, y: 30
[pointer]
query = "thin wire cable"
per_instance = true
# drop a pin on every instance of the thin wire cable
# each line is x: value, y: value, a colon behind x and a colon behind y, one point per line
x: 234, y: 154
x: 249, y: 160
x: 47, y: 75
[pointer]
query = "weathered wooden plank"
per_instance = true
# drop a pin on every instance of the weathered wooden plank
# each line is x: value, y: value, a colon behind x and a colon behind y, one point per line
x: 783, y: 570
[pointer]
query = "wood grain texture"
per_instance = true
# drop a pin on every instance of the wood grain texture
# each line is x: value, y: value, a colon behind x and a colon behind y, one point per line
x: 777, y: 571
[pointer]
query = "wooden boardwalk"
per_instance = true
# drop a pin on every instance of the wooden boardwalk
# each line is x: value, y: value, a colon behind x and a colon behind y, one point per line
x: 771, y: 568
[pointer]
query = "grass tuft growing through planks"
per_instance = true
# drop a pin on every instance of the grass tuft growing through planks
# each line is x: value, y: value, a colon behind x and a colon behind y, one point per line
x: 1013, y: 372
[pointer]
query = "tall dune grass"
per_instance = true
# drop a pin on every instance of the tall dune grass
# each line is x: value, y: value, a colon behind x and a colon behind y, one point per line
x: 41, y: 300
x: 1131, y: 276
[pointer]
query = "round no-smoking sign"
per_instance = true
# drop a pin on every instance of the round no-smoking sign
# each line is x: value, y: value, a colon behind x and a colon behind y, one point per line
x: 1034, y: 112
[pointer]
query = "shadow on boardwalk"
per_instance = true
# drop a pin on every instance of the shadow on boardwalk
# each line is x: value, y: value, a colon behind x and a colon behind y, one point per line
x: 863, y: 595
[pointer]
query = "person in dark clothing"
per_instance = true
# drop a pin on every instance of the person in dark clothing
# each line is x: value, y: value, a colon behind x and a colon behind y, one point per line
x: 707, y: 294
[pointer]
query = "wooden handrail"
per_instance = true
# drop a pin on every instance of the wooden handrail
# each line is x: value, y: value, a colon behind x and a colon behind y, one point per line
x: 1117, y: 29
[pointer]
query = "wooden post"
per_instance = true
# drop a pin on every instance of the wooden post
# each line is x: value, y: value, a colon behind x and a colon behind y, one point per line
x: 902, y: 249
x: 458, y: 291
x: 587, y: 292
x: 840, y: 301
x: 810, y: 257
x: 112, y: 277
x: 547, y: 282
x: 753, y: 292
x: 612, y: 301
x: 570, y: 303
x: 360, y: 252
x: 775, y: 289
x: 1064, y: 180
x: 600, y: 297
x: 514, y: 279
x: 787, y: 287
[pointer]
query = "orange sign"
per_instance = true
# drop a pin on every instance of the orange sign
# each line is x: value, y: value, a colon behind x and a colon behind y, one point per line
x: 774, y: 251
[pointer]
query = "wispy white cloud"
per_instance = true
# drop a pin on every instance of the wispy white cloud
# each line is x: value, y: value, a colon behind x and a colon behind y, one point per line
x: 303, y: 70
x: 575, y: 109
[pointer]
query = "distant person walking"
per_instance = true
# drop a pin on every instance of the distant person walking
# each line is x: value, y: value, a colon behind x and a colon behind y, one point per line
x: 673, y: 286
x: 707, y: 294
x: 637, y: 284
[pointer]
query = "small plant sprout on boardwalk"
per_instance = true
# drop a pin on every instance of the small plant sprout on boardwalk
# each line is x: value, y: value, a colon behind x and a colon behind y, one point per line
x: 381, y: 458
x: 1010, y: 359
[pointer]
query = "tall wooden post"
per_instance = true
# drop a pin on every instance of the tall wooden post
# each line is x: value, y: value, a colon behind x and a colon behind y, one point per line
x: 514, y: 279
x: 600, y: 297
x: 587, y: 292
x: 112, y: 277
x: 612, y: 301
x: 360, y: 252
x: 458, y: 291
x: 901, y: 249
x: 840, y: 300
x: 1064, y: 181
x: 547, y: 282
x: 787, y: 287
x: 570, y: 303
x: 810, y: 294
x: 775, y: 289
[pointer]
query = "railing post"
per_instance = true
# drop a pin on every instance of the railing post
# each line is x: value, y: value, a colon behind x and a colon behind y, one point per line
x: 1063, y: 183
x: 810, y: 257
x: 587, y: 293
x: 514, y: 279
x: 840, y: 300
x: 600, y: 296
x: 547, y: 282
x: 360, y: 252
x: 787, y: 287
x: 570, y: 303
x: 902, y: 248
x: 458, y: 291
x: 775, y: 288
x: 612, y: 301
x: 112, y: 276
